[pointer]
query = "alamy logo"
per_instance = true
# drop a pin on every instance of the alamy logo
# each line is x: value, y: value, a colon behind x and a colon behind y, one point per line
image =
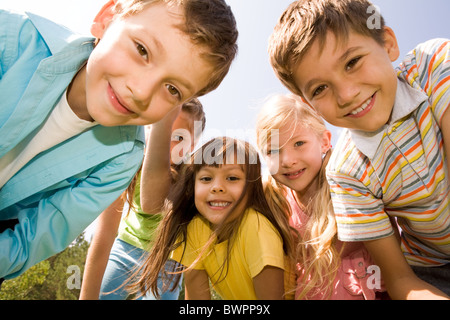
x: 374, y: 280
x: 374, y: 21
x: 74, y: 280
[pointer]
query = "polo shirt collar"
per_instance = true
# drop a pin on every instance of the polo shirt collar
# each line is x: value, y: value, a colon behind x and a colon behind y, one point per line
x: 407, y: 100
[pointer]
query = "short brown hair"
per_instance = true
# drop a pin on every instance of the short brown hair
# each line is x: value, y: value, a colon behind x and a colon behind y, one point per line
x: 305, y: 21
x: 195, y: 108
x: 208, y: 23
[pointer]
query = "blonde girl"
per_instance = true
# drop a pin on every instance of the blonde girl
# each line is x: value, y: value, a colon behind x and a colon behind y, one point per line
x: 297, y: 146
x: 221, y: 229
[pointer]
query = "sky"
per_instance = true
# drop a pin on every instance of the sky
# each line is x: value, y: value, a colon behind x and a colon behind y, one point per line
x: 232, y: 108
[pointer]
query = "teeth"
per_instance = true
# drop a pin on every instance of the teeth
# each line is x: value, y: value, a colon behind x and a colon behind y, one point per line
x: 364, y: 106
x: 294, y: 173
x: 219, y: 204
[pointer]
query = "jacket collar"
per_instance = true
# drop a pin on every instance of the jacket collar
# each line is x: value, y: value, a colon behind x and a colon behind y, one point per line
x: 55, y: 35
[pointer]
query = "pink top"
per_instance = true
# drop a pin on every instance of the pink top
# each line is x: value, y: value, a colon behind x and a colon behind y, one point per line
x: 357, y: 278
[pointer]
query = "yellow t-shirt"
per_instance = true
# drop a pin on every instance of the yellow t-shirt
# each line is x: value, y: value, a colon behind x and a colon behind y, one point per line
x: 258, y: 244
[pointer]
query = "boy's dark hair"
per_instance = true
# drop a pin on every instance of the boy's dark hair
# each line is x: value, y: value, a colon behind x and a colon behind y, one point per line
x: 209, y: 24
x: 306, y: 21
x: 195, y: 108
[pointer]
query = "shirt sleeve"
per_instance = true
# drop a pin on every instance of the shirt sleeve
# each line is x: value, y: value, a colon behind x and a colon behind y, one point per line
x: 263, y: 245
x: 427, y: 67
x: 360, y: 216
x: 57, y: 220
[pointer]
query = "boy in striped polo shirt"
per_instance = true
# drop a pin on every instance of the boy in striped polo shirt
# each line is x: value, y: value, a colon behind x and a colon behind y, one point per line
x: 391, y: 164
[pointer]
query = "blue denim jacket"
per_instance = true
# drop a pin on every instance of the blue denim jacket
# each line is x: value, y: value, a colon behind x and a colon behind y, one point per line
x: 62, y: 190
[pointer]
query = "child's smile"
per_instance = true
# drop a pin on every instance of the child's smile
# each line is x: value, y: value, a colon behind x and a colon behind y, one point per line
x: 137, y: 72
x: 294, y: 175
x: 364, y: 108
x: 117, y: 103
x: 351, y: 83
x: 218, y: 190
x: 219, y: 205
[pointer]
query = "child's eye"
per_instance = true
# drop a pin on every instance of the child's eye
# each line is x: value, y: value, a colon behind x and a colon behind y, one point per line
x: 177, y: 137
x: 233, y: 178
x: 141, y: 50
x: 319, y: 90
x: 352, y: 63
x: 205, y: 179
x: 271, y: 152
x: 299, y: 143
x: 173, y: 91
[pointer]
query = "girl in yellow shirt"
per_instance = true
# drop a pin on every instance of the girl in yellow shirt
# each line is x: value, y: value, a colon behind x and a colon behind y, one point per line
x: 221, y: 230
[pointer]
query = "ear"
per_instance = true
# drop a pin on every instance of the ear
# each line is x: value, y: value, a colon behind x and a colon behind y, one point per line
x: 102, y: 19
x: 326, y: 141
x: 390, y: 44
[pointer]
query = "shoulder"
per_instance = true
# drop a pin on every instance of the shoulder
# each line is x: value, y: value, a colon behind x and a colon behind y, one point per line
x: 255, y: 225
x: 55, y: 35
x: 428, y: 49
x: 17, y: 33
x: 432, y: 46
x: 26, y: 25
x: 427, y: 68
x: 345, y: 155
x: 29, y: 39
x: 254, y: 218
x: 424, y: 58
x: 198, y: 231
x: 11, y: 18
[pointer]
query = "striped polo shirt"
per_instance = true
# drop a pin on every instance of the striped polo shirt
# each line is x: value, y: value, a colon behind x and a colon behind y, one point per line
x: 400, y: 170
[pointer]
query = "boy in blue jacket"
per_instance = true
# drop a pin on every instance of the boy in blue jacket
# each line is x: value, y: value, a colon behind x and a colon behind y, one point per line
x: 72, y: 108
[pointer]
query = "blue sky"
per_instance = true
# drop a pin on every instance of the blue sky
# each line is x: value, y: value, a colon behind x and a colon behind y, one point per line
x: 232, y: 108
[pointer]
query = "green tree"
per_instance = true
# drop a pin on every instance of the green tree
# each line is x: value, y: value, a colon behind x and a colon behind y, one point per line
x: 57, y: 278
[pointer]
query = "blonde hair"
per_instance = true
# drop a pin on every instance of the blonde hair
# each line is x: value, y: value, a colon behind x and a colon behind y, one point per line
x: 208, y: 23
x: 304, y: 21
x: 316, y: 251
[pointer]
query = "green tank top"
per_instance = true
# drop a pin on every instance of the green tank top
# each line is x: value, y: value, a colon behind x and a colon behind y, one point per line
x: 138, y: 228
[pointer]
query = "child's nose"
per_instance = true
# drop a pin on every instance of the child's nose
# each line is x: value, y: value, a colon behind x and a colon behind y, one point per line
x: 142, y: 90
x: 287, y: 160
x: 346, y: 92
x: 216, y: 188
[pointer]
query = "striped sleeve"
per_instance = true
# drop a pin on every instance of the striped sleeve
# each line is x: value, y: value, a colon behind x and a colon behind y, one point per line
x: 428, y: 67
x: 358, y: 206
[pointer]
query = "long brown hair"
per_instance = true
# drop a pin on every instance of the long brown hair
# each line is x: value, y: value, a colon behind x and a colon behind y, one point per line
x: 172, y: 231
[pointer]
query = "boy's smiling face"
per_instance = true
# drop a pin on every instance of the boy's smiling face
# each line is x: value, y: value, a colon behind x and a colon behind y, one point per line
x: 351, y: 84
x: 143, y: 66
